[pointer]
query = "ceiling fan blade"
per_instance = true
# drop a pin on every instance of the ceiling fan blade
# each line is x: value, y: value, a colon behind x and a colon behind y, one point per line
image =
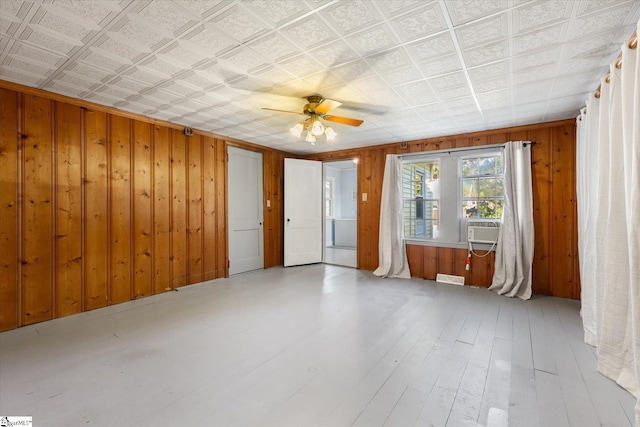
x: 284, y: 111
x: 327, y: 105
x: 343, y: 120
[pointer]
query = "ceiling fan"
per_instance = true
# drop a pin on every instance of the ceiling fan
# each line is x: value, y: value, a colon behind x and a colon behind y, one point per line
x: 317, y: 108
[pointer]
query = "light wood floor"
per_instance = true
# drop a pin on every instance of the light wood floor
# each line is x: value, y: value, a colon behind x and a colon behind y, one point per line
x: 307, y: 346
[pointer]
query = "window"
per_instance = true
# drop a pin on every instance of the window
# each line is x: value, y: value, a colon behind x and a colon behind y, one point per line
x: 482, y: 187
x: 443, y: 190
x: 421, y: 197
x: 329, y: 196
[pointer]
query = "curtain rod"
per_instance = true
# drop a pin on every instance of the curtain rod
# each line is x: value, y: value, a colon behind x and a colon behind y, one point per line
x: 633, y: 43
x: 453, y: 150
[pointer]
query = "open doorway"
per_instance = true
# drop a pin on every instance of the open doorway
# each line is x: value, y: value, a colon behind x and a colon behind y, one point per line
x: 340, y: 213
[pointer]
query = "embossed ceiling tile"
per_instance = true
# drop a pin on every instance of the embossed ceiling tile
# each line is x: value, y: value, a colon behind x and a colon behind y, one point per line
x: 273, y: 75
x: 301, y: 65
x: 414, y: 88
x: 442, y: 65
x: 595, y: 47
x: 101, y: 98
x: 535, y: 14
x: 146, y: 75
x: 208, y: 39
x: 163, y: 96
x: 389, y: 60
x: 462, y: 11
x: 483, y: 32
x: 275, y: 47
x: 533, y: 74
x: 205, y: 8
x: 484, y: 54
x: 458, y: 92
x: 69, y: 28
x: 136, y: 30
x: 323, y: 80
x: 353, y: 71
x: 532, y: 92
x: 90, y: 11
x: 309, y: 33
x: 589, y: 6
x: 490, y: 85
x: 484, y: 72
x: 352, y: 15
x: 116, y: 92
x: 88, y: 71
x: 432, y: 47
x: 118, y: 49
x: 78, y: 81
x: 182, y: 55
x: 21, y: 77
x: 161, y: 66
x: 602, y: 20
x: 420, y: 23
x: 30, y: 52
x: 50, y: 41
x: 425, y: 98
x: 197, y: 80
x: 373, y: 39
x: 98, y: 58
x: 277, y: 11
x: 17, y: 64
x: 334, y: 54
x: 8, y: 25
x: 392, y: 8
x: 549, y: 56
x: 430, y: 111
x: 165, y: 15
x: 16, y: 9
x: 243, y: 60
x: 448, y: 81
x: 239, y: 24
x: 497, y: 99
x: 404, y: 75
x: 540, y: 38
x: 129, y: 85
x: 63, y: 89
x: 179, y: 88
x: 371, y: 84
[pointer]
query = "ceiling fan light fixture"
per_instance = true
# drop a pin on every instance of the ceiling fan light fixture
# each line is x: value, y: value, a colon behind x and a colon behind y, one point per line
x: 297, y: 130
x: 330, y: 133
x: 310, y: 138
x: 316, y: 127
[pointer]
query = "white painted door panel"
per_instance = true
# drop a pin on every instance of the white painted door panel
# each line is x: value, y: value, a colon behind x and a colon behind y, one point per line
x: 302, y: 212
x: 246, y: 237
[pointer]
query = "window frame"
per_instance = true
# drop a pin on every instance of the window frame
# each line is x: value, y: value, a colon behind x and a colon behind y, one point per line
x: 332, y: 181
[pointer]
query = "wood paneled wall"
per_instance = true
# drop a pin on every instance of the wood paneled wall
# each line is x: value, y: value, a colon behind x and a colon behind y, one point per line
x: 99, y: 207
x: 555, y: 268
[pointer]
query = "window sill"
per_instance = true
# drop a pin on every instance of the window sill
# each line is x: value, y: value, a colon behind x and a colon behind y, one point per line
x: 455, y: 245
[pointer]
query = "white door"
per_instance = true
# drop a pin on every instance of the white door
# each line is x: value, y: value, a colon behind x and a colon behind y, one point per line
x: 302, y: 212
x: 246, y: 238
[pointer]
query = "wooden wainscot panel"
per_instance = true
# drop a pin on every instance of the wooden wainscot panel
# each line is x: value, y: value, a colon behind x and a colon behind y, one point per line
x: 38, y: 185
x: 194, y: 230
x: 68, y: 210
x: 541, y: 186
x: 96, y: 239
x: 221, y: 209
x: 415, y: 259
x: 142, y: 165
x: 161, y: 210
x: 9, y: 225
x: 179, y: 212
x: 209, y: 209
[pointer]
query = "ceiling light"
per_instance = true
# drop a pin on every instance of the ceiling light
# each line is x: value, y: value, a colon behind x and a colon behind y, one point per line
x: 317, y: 128
x: 310, y: 138
x: 297, y: 130
x: 330, y: 133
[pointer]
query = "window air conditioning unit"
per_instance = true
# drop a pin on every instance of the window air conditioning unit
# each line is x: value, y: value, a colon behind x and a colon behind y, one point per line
x: 483, y: 233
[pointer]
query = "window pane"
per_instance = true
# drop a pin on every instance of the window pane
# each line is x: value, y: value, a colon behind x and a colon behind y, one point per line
x: 487, y: 187
x: 470, y: 187
x: 470, y: 209
x: 490, y: 208
x: 487, y: 166
x: 499, y: 187
x: 499, y: 165
x: 469, y: 167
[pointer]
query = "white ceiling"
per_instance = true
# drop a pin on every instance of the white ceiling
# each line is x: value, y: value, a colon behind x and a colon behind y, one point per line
x: 409, y: 68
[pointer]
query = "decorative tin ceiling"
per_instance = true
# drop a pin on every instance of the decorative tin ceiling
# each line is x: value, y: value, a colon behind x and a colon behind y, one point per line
x: 409, y: 68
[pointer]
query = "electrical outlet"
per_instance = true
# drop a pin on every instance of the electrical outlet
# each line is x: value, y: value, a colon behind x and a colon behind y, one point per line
x: 364, y: 197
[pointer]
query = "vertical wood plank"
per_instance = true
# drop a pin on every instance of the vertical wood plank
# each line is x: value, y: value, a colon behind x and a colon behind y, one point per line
x: 364, y: 211
x: 161, y: 210
x: 120, y: 206
x: 446, y: 261
x: 68, y: 210
x: 222, y: 257
x: 37, y: 241
x: 179, y: 265
x: 415, y: 258
x: 142, y: 210
x: 9, y: 225
x: 194, y: 230
x: 563, y: 211
x: 430, y: 262
x: 541, y: 186
x: 210, y: 232
x: 96, y: 239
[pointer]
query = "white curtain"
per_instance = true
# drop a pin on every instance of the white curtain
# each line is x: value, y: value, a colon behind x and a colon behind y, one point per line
x: 608, y: 188
x: 514, y: 253
x: 392, y: 253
